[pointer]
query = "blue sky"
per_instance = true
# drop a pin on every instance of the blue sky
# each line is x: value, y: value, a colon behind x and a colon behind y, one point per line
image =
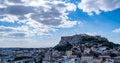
x: 27, y: 23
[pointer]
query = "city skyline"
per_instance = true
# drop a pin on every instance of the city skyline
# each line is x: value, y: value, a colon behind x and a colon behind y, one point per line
x: 41, y: 23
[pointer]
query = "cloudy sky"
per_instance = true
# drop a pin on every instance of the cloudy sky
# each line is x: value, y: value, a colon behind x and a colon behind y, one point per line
x: 41, y: 23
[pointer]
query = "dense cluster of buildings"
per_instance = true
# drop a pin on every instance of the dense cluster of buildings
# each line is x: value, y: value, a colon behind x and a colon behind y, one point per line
x: 94, y: 55
x: 77, y: 54
x: 85, y: 49
x: 20, y: 55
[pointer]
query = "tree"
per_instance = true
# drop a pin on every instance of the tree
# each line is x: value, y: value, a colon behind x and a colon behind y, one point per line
x: 65, y: 47
x: 113, y: 54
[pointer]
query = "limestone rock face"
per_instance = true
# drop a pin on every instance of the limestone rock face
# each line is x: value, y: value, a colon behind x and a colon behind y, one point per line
x: 77, y: 39
x: 83, y: 40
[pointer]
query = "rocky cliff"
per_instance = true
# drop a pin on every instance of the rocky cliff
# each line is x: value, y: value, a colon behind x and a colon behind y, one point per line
x: 81, y: 38
x: 67, y: 42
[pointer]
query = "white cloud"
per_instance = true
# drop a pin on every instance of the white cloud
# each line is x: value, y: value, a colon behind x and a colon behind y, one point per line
x: 91, y: 33
x: 25, y: 42
x: 38, y: 16
x: 116, y: 30
x: 71, y: 7
x: 97, y: 6
x: 69, y: 24
x: 22, y: 31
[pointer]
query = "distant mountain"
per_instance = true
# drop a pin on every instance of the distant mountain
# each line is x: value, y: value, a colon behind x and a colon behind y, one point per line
x: 67, y: 42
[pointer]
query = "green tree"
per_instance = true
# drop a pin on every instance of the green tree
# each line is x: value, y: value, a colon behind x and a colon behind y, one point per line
x: 65, y: 47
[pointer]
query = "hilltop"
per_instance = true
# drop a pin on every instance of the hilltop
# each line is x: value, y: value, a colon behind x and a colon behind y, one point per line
x: 67, y: 42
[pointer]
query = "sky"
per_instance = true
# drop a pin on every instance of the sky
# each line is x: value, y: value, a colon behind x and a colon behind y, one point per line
x: 41, y: 23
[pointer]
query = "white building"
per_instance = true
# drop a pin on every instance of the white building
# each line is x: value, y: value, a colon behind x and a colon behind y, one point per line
x: 88, y: 59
